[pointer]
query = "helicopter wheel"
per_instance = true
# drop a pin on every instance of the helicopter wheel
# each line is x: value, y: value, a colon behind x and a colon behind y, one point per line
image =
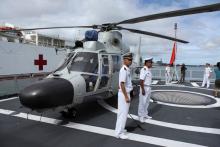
x: 69, y: 113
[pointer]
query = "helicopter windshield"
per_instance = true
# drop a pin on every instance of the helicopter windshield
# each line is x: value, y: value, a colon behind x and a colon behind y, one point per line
x: 85, y: 62
x: 65, y: 62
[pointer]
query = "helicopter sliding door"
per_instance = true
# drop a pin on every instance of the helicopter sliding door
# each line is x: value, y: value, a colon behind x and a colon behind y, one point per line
x: 104, y: 71
x: 109, y: 67
x: 116, y: 66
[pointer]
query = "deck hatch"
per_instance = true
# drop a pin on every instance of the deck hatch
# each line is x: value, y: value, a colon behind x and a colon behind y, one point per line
x: 181, y: 98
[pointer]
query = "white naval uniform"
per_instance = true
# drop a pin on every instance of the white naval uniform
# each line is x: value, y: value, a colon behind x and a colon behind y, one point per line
x: 167, y: 74
x: 144, y: 100
x: 206, y: 77
x: 123, y: 106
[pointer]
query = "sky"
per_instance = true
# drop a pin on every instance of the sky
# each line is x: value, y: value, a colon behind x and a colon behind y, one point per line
x: 201, y: 30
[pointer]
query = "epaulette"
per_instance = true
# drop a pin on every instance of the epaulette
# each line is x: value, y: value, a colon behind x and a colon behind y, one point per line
x: 125, y: 68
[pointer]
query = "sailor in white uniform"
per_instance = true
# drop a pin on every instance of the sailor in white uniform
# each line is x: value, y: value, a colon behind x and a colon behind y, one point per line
x: 145, y: 90
x: 167, y: 74
x: 206, y: 77
x: 125, y: 87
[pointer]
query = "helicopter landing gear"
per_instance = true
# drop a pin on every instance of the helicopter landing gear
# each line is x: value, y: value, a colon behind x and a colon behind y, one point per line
x: 69, y: 113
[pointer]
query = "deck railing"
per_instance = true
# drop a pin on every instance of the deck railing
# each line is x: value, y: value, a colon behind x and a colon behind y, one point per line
x: 159, y: 74
x: 12, y: 84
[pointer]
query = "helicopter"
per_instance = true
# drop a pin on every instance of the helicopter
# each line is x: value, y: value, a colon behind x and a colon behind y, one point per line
x: 90, y: 71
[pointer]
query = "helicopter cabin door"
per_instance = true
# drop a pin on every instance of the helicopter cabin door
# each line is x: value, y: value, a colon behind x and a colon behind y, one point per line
x: 105, y: 71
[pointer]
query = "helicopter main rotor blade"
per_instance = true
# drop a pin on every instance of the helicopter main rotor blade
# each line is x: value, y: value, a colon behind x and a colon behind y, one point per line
x: 152, y: 34
x: 195, y: 10
x: 49, y: 28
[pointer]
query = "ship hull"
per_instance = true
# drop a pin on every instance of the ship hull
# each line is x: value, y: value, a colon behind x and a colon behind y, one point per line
x: 17, y: 58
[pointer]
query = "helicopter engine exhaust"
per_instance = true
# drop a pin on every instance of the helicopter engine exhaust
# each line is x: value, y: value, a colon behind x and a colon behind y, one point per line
x: 47, y: 93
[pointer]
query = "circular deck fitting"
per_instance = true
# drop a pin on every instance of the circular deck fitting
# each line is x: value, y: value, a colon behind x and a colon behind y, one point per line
x: 181, y: 98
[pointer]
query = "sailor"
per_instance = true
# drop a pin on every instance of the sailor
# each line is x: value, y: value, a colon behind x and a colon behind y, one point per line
x: 125, y: 87
x: 207, y: 75
x: 145, y: 90
x: 167, y: 74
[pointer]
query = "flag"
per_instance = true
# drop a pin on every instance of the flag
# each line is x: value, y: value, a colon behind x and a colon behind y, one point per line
x: 173, y: 55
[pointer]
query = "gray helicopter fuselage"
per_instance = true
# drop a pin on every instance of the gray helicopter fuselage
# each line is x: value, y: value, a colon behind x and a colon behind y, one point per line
x: 88, y: 73
x: 93, y: 74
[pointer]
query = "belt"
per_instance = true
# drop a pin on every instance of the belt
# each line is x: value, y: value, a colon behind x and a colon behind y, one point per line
x: 127, y: 90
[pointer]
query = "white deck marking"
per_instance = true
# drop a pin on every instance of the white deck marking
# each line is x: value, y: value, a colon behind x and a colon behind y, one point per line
x: 103, y: 131
x: 3, y: 100
x: 166, y: 124
x: 195, y: 84
x: 155, y: 82
x: 174, y: 82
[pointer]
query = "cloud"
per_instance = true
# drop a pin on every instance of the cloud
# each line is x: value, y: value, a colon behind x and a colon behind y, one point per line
x: 201, y: 30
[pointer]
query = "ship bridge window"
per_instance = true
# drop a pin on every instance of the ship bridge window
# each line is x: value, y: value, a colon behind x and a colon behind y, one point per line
x: 85, y: 62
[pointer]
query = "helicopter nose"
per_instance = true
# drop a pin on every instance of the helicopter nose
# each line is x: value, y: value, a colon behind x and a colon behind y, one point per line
x: 47, y: 93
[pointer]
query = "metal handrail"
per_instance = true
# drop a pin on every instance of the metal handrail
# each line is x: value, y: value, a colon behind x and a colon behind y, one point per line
x: 159, y: 74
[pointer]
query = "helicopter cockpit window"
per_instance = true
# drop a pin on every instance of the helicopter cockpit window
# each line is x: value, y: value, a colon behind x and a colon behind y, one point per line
x: 103, y: 82
x: 105, y: 71
x: 116, y: 63
x: 105, y: 61
x: 105, y: 65
x: 85, y: 62
x: 90, y: 81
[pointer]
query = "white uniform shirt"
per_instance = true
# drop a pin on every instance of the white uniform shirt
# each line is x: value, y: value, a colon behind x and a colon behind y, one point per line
x: 167, y: 69
x: 125, y: 76
x: 207, y: 71
x: 146, y: 76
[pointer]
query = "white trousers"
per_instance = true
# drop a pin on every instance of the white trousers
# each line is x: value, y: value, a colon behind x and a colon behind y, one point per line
x: 144, y: 101
x: 206, y: 80
x: 123, y: 108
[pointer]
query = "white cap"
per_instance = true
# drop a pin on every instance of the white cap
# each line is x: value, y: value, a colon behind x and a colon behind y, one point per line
x: 148, y: 58
x: 128, y: 55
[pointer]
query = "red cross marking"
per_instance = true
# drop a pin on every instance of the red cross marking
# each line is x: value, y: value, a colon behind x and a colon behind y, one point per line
x: 40, y: 62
